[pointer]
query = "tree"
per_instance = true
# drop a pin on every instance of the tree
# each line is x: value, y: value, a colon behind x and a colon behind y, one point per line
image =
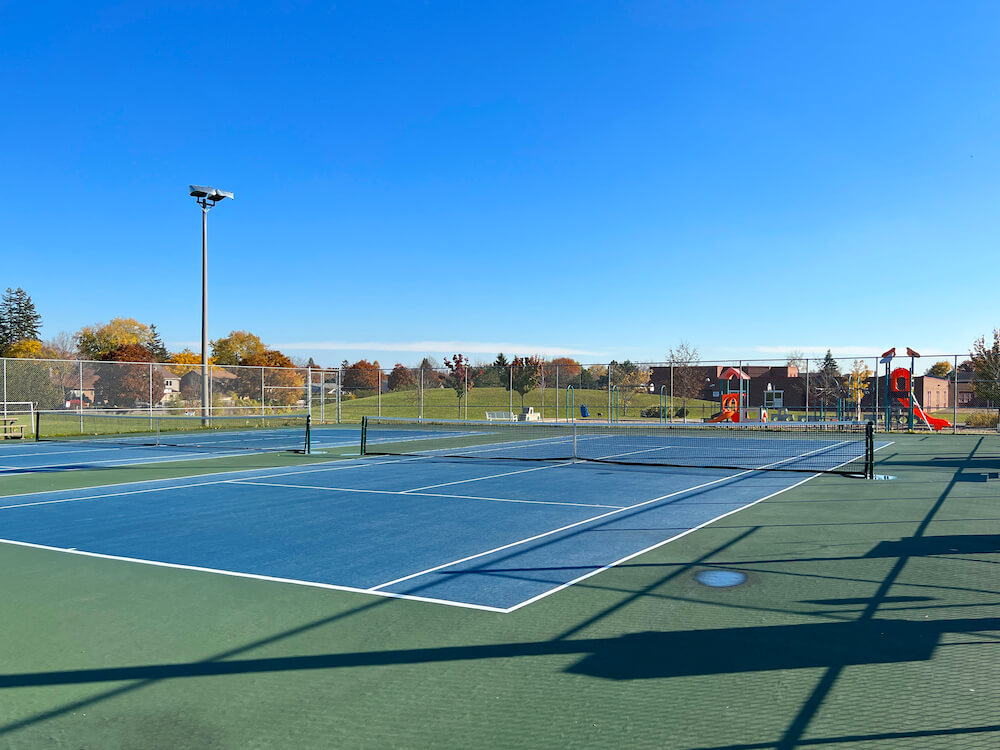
x: 939, y: 369
x: 591, y: 376
x: 269, y: 377
x: 858, y: 383
x: 186, y: 361
x: 459, y: 377
x: 238, y: 348
x: 986, y: 369
x: 35, y: 381
x: 97, y: 341
x: 684, y: 359
x: 311, y: 364
x: 630, y: 379
x: 525, y: 374
x: 156, y: 346
x: 362, y: 376
x: 61, y: 345
x: 829, y: 366
x: 401, y: 378
x: 124, y: 385
x: 489, y: 376
x: 19, y: 320
x: 567, y: 369
x: 26, y: 349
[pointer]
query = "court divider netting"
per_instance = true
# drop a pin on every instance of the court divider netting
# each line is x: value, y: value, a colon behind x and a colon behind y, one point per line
x: 259, y: 432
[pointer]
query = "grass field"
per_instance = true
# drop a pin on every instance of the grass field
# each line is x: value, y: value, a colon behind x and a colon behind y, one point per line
x: 442, y: 403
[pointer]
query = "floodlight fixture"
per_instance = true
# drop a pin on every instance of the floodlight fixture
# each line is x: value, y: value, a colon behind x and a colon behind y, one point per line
x: 207, y: 196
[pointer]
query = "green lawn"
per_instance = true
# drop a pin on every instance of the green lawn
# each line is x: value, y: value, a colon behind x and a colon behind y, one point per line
x: 443, y: 403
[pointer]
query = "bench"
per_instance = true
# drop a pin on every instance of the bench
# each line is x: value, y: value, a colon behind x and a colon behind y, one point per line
x: 500, y: 416
x: 10, y: 429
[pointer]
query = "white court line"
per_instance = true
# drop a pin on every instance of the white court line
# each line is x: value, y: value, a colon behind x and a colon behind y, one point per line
x: 625, y: 559
x: 255, y: 576
x: 490, y: 476
x: 411, y: 493
x: 576, y: 580
x: 579, y: 523
x: 554, y: 531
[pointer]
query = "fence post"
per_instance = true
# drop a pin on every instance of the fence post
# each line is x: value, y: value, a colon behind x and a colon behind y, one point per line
x: 557, y: 393
x: 875, y: 395
x: 543, y: 390
x: 672, y: 394
x: 5, y: 387
x: 465, y: 374
x: 421, y: 392
x: 340, y: 387
x: 262, y: 391
x: 510, y: 390
x: 151, y: 395
x: 378, y: 376
x: 807, y: 389
x: 609, y: 393
x: 954, y: 406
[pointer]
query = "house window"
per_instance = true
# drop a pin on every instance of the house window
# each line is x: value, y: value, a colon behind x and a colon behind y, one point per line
x: 774, y: 399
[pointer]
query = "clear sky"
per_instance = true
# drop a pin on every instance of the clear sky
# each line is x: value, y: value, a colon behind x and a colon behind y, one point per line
x: 594, y: 178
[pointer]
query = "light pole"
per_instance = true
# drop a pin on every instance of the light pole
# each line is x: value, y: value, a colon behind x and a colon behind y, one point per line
x: 206, y: 197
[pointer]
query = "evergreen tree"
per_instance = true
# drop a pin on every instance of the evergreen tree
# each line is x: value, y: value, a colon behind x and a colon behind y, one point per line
x: 830, y: 366
x: 312, y: 363
x: 5, y: 337
x: 156, y: 347
x: 19, y: 320
x: 500, y: 361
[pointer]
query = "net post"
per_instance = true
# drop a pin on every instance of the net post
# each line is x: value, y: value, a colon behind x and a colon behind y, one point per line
x: 38, y: 417
x: 870, y: 450
x: 308, y: 447
x: 574, y: 440
x: 364, y: 434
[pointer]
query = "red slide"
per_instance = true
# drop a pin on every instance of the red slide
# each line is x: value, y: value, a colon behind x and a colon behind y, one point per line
x: 933, y: 422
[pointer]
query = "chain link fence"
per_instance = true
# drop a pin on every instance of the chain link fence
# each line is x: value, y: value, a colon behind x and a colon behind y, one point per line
x: 856, y: 388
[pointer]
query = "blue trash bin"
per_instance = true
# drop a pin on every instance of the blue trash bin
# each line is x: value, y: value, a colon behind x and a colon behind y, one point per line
x: 583, y: 411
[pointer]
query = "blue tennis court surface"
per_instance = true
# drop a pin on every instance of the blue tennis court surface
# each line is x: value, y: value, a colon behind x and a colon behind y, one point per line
x: 478, y: 533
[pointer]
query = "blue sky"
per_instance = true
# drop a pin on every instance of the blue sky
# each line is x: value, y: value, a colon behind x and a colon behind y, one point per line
x: 586, y: 178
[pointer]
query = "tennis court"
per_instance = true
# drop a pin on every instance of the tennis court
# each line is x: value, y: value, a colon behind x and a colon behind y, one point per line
x: 469, y: 531
x: 564, y: 597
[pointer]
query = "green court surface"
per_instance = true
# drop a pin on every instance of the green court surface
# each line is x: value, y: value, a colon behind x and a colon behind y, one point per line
x: 869, y: 618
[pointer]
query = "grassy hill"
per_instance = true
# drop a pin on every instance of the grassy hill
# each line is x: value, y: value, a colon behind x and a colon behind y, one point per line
x: 442, y: 403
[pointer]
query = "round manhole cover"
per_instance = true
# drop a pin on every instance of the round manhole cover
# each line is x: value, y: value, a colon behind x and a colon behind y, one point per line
x: 720, y: 578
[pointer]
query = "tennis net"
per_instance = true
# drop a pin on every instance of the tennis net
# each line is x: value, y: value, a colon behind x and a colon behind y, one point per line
x: 262, y: 432
x: 833, y: 447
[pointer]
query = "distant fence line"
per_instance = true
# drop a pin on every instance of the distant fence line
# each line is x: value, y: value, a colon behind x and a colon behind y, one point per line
x: 608, y: 390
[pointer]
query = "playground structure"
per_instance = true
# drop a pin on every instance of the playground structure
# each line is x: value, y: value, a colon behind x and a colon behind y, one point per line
x: 733, y: 403
x: 900, y: 400
x: 900, y: 392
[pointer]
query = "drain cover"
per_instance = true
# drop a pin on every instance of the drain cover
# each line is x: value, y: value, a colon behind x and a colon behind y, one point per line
x: 720, y: 578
